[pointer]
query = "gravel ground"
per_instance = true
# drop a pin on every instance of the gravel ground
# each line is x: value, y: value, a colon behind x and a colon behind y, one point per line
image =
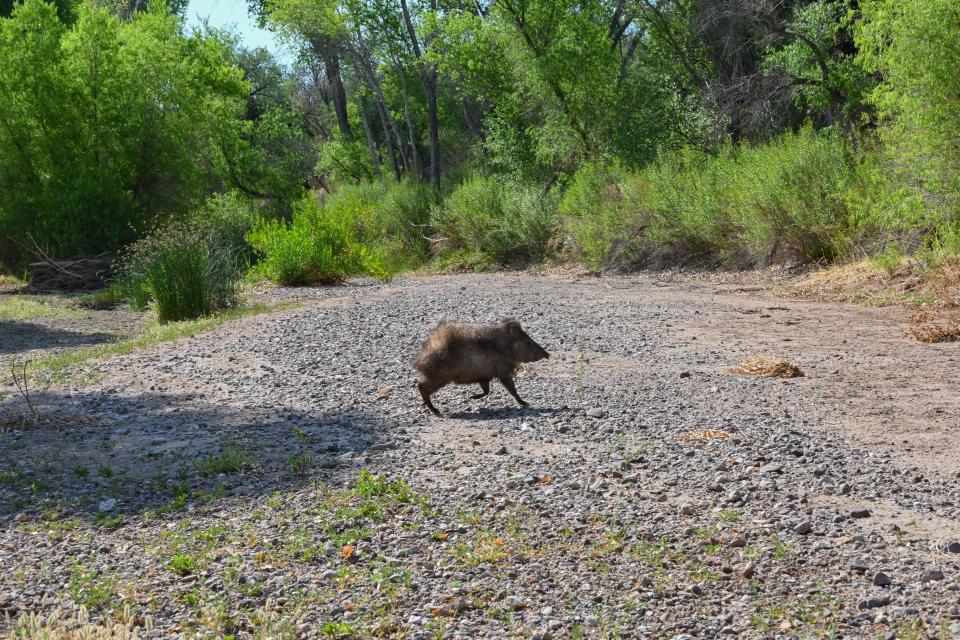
x: 221, y: 485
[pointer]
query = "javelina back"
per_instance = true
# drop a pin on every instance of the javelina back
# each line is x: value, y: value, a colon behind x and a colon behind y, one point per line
x: 474, y: 354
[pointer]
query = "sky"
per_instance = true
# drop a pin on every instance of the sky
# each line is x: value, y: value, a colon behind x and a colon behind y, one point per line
x: 233, y: 13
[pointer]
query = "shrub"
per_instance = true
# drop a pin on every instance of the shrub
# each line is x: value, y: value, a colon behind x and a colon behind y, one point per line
x: 387, y: 214
x: 790, y: 194
x: 888, y: 260
x: 316, y: 247
x: 595, y: 214
x: 740, y: 206
x: 233, y: 215
x: 187, y: 269
x: 500, y: 217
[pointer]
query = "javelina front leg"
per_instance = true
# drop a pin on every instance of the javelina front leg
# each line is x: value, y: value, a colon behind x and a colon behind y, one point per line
x: 426, y: 390
x: 508, y: 383
x: 485, y: 386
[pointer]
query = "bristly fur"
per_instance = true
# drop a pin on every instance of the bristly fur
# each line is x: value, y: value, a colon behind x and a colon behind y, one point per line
x: 474, y: 354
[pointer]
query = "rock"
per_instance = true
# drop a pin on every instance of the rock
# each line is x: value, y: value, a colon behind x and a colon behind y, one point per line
x: 748, y: 570
x: 591, y: 621
x: 686, y: 509
x: 881, y: 579
x: 953, y: 547
x: 513, y: 603
x: 931, y: 573
x: 107, y: 505
x: 803, y: 528
x: 502, y: 451
x: 858, y: 566
x: 873, y: 603
x: 860, y: 512
x: 596, y: 412
x: 738, y: 542
x: 685, y: 374
x: 773, y: 467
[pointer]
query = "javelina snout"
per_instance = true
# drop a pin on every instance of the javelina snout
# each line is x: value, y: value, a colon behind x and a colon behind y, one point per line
x: 525, y: 348
x: 474, y: 354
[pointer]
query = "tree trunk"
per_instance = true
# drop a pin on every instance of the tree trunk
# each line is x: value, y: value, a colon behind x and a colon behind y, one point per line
x: 371, y: 146
x: 389, y: 124
x: 428, y: 73
x: 414, y: 151
x: 434, y: 130
x: 332, y: 63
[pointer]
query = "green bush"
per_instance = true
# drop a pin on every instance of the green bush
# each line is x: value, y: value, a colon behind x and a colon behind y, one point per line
x: 743, y: 205
x: 912, y: 47
x: 387, y: 214
x: 595, y: 214
x: 321, y: 245
x: 187, y: 269
x: 233, y: 215
x: 500, y: 217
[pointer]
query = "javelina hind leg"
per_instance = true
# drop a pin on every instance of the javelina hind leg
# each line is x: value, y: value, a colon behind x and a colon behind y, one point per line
x: 485, y: 386
x: 426, y: 390
x: 508, y: 383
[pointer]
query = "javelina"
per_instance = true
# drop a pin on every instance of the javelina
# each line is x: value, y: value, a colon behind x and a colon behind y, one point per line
x: 474, y: 354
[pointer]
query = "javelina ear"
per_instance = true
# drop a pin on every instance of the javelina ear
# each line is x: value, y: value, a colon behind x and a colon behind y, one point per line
x: 513, y: 327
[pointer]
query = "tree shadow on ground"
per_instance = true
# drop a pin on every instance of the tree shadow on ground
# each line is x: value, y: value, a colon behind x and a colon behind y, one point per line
x: 17, y: 337
x: 152, y: 451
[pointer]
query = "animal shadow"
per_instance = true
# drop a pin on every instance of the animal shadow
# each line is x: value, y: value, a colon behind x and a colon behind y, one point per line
x: 501, y: 413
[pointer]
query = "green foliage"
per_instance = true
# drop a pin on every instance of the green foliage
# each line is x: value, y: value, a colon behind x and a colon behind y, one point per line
x: 826, y: 74
x: 344, y: 161
x: 744, y: 205
x: 92, y: 148
x: 506, y: 220
x: 597, y: 214
x: 187, y: 269
x: 888, y: 260
x: 312, y: 249
x: 913, y: 46
x: 182, y: 564
x: 367, y: 228
x: 229, y: 459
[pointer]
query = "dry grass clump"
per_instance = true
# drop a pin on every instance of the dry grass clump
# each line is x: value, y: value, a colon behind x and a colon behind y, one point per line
x: 702, y: 435
x: 768, y: 368
x: 934, y: 326
x: 56, y: 625
x: 865, y: 283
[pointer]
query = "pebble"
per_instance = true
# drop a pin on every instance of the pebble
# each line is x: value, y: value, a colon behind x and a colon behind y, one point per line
x: 873, y: 603
x: 803, y: 528
x: 882, y: 579
x: 931, y: 574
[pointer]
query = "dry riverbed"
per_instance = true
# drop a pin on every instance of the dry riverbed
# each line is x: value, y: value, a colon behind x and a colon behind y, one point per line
x: 278, y: 476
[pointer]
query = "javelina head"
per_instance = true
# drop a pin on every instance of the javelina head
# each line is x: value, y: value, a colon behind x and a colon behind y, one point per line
x: 524, y: 348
